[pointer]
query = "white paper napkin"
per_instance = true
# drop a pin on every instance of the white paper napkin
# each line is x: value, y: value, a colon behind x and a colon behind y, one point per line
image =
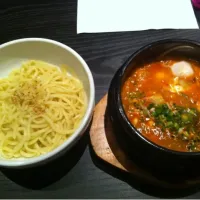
x: 133, y: 15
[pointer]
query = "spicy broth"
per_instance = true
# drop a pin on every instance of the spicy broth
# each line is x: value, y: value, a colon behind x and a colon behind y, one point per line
x: 164, y: 107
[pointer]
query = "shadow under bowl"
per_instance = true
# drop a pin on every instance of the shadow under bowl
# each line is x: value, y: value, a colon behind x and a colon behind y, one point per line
x: 167, y: 164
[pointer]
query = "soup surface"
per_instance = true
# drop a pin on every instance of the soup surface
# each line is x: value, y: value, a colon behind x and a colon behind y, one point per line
x: 162, y: 100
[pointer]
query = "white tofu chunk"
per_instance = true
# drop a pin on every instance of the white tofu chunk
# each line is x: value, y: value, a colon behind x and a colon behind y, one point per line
x: 182, y: 69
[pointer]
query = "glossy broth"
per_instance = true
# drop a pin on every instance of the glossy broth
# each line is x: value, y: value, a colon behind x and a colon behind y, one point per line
x: 164, y: 107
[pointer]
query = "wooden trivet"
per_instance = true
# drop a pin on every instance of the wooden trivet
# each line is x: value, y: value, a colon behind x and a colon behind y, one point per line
x: 107, y: 148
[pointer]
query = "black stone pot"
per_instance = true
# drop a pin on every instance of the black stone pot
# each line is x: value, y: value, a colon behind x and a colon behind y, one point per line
x: 165, y: 163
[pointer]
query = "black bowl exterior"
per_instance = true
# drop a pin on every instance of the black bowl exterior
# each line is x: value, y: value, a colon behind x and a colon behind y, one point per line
x: 157, y: 159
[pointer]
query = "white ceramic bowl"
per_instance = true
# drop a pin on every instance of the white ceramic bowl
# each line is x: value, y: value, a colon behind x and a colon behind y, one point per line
x: 11, y: 56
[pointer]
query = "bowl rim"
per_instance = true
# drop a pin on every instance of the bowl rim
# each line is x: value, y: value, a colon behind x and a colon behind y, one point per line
x: 119, y: 102
x: 85, y: 121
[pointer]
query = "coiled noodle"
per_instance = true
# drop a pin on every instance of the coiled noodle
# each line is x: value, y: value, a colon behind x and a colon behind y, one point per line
x: 40, y: 107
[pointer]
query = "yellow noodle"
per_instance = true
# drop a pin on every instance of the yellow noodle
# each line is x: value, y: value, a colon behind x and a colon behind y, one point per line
x: 40, y: 107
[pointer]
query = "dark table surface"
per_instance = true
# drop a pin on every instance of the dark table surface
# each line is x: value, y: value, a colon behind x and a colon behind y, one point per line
x: 77, y: 175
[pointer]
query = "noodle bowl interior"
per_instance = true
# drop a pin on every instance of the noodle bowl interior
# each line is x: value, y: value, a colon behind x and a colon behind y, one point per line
x: 41, y: 106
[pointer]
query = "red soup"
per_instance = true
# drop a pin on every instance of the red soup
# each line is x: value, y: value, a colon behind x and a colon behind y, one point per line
x: 162, y: 100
